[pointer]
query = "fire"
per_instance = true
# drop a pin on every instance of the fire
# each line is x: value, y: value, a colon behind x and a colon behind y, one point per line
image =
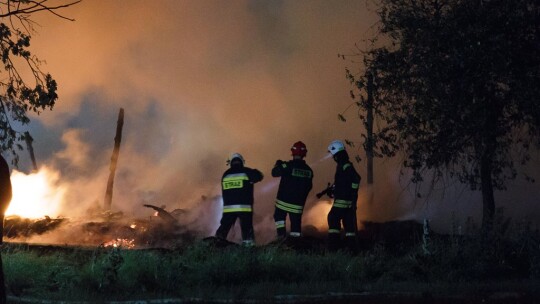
x: 120, y: 243
x: 36, y: 195
x: 316, y: 215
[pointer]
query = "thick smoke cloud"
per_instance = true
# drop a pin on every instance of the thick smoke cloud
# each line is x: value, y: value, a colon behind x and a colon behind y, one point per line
x: 198, y: 81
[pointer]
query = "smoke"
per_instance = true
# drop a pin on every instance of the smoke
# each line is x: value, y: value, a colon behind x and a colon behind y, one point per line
x: 199, y: 80
x: 178, y: 134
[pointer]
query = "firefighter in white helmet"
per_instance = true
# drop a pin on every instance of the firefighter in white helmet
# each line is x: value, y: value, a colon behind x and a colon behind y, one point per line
x: 295, y: 184
x: 345, y: 194
x: 237, y: 191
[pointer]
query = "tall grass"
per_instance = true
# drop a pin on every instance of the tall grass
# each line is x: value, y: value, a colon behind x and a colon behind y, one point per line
x: 205, y: 271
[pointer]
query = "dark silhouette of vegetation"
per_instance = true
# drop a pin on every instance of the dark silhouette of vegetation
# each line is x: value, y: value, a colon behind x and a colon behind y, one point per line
x: 24, y: 87
x: 456, y: 89
x: 458, y: 266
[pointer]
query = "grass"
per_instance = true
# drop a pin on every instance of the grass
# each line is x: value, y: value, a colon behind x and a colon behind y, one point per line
x: 465, y: 265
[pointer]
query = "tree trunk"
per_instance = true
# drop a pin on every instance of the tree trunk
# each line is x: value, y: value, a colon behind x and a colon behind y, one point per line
x: 114, y: 160
x: 369, y: 129
x: 488, y: 199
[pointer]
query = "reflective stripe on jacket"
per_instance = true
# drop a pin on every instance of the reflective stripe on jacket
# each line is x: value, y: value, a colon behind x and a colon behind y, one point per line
x: 237, y: 187
x: 295, y: 184
x: 347, y: 183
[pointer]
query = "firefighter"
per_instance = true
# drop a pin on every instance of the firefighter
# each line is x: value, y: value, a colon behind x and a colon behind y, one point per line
x: 345, y: 193
x: 295, y: 184
x: 237, y: 191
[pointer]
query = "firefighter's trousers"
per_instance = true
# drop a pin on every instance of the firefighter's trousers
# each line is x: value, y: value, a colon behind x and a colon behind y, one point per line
x: 296, y: 223
x: 246, y: 225
x: 336, y: 217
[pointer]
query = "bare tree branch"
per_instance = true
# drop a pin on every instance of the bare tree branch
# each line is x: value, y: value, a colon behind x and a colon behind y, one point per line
x: 19, y: 96
x: 34, y: 7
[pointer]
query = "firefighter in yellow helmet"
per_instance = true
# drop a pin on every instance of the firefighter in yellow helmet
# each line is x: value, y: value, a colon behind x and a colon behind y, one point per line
x: 295, y: 184
x: 345, y: 194
x: 237, y: 191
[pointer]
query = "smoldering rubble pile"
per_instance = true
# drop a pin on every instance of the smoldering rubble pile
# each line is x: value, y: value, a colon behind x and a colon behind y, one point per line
x: 18, y: 227
x: 162, y: 229
x: 169, y: 229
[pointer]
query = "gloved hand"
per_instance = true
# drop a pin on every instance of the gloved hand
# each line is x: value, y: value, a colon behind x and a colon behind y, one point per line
x: 279, y: 162
x: 331, y: 190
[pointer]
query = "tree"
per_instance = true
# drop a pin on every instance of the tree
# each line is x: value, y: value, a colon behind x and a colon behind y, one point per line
x: 457, y: 89
x: 24, y: 87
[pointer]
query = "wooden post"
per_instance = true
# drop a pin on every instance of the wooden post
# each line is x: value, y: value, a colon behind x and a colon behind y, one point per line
x: 29, y: 140
x: 114, y: 160
x: 369, y: 128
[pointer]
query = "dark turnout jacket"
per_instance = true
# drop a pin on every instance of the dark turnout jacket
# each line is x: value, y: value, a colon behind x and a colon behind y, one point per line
x: 296, y: 182
x: 237, y: 188
x: 347, y: 182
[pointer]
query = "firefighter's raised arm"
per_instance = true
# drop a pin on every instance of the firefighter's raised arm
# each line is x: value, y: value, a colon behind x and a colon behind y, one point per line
x: 279, y: 168
x: 255, y: 176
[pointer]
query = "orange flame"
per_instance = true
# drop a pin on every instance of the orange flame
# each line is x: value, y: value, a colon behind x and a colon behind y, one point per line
x: 35, y: 195
x: 120, y: 243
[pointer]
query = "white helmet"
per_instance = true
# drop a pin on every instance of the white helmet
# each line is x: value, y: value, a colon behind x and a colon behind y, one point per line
x: 335, y: 147
x: 235, y: 155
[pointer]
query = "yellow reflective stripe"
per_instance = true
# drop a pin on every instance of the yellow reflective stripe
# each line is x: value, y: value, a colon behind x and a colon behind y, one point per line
x: 237, y: 208
x: 347, y: 165
x: 355, y: 186
x: 333, y: 231
x: 280, y: 224
x: 350, y: 234
x: 295, y: 234
x: 293, y: 206
x: 286, y: 209
x: 342, y: 204
x: 284, y: 165
x: 234, y: 181
x: 235, y: 177
x: 234, y: 184
x: 289, y: 207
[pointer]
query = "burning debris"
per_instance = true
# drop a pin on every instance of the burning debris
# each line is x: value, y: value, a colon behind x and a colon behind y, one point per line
x: 18, y: 227
x: 162, y: 229
x: 121, y: 243
x: 164, y: 215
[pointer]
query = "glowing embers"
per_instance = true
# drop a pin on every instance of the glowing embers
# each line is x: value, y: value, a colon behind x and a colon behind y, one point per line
x: 120, y: 243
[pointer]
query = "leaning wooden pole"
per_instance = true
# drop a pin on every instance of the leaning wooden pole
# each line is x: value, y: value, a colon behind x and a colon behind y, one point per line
x: 29, y: 140
x: 114, y: 160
